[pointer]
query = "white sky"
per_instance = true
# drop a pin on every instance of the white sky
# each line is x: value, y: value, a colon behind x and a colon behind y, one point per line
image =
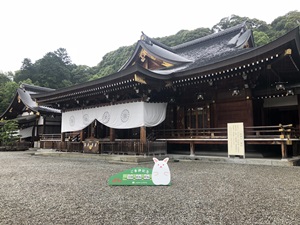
x: 88, y: 29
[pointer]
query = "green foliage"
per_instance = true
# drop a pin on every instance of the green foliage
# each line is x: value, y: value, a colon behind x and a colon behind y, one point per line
x: 3, y: 79
x: 261, y: 38
x: 184, y: 36
x: 283, y: 24
x: 9, y: 133
x: 53, y: 70
x: 113, y: 61
x: 7, y: 92
x: 81, y: 74
x: 233, y: 20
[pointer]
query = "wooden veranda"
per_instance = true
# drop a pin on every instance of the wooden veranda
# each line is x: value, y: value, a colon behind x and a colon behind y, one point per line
x: 283, y: 135
x: 286, y: 136
x: 105, y: 146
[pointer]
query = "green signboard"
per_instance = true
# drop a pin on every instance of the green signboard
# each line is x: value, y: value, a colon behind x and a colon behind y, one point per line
x: 134, y: 176
x: 159, y: 175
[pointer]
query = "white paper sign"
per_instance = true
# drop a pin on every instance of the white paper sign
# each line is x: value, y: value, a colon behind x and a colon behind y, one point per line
x: 236, y: 142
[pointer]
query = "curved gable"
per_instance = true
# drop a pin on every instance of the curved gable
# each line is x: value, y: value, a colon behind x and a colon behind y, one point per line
x: 154, y: 56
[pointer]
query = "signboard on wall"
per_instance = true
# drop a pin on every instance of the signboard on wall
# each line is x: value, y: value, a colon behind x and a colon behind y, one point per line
x: 236, y: 142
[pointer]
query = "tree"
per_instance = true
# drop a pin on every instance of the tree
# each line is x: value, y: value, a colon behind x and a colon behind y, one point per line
x: 233, y: 20
x: 53, y: 70
x: 81, y: 74
x: 3, y: 78
x: 7, y: 92
x: 63, y: 55
x: 184, y: 36
x: 9, y: 133
x: 261, y: 38
x: 284, y: 24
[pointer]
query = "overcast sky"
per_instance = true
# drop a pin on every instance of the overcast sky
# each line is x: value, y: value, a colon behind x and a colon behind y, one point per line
x: 88, y: 29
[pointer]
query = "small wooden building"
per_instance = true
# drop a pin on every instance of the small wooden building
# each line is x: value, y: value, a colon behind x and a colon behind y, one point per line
x: 183, y: 97
x: 33, y: 120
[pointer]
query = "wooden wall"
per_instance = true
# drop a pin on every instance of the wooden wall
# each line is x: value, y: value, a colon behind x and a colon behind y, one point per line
x: 231, y: 112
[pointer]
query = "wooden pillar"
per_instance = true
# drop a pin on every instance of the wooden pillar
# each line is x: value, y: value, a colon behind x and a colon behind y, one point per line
x: 298, y: 98
x: 35, y: 132
x: 283, y: 150
x: 62, y: 140
x: 192, y: 149
x: 112, y: 134
x: 62, y: 137
x: 81, y: 135
x: 44, y: 124
x: 143, y: 139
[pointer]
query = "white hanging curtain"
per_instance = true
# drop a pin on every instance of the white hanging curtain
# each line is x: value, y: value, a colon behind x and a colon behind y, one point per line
x: 121, y: 116
x: 26, y: 132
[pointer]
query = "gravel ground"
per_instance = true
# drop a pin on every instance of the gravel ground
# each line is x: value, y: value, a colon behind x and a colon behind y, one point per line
x: 50, y: 190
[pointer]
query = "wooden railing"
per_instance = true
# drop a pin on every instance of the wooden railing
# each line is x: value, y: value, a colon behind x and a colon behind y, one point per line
x: 278, y: 131
x: 133, y: 147
x: 104, y: 146
x: 276, y: 135
x: 50, y: 137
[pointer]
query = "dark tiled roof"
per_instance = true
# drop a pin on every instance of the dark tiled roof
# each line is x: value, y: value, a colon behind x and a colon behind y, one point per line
x: 208, y: 53
x: 28, y: 102
x: 35, y: 89
x: 156, y: 49
x: 235, y: 29
x: 164, y: 54
x: 213, y: 48
x: 16, y: 108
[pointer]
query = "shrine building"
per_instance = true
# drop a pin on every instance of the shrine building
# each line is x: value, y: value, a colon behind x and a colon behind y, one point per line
x: 182, y: 98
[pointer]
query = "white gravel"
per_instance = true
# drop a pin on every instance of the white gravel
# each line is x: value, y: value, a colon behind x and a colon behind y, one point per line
x: 50, y: 190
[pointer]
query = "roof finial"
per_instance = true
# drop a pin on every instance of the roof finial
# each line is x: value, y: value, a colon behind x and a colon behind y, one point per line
x: 145, y: 38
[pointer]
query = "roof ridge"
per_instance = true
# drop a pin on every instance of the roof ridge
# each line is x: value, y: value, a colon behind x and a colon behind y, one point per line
x: 145, y: 38
x: 209, y: 37
x: 31, y: 86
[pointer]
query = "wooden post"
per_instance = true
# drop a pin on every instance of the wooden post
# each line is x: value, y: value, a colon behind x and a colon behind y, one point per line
x: 62, y: 141
x: 62, y: 137
x: 143, y: 138
x: 283, y: 150
x: 192, y: 149
x: 44, y: 124
x: 81, y: 135
x: 112, y: 134
x: 298, y: 98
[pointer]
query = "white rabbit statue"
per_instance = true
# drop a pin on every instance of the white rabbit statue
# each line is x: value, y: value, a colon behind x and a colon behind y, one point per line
x: 161, y: 173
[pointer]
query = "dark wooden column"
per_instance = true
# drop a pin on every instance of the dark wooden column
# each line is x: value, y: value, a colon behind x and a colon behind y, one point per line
x: 63, y: 137
x: 62, y: 141
x: 298, y: 98
x: 112, y: 134
x: 143, y: 139
x: 81, y: 135
x: 44, y: 124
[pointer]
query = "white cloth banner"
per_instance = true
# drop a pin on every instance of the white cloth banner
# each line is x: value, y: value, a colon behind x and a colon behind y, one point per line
x: 26, y: 132
x: 121, y: 116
